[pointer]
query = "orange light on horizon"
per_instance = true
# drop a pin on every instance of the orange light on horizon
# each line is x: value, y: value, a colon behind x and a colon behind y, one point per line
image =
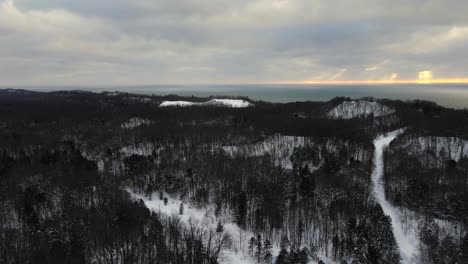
x: 393, y: 81
x: 425, y: 76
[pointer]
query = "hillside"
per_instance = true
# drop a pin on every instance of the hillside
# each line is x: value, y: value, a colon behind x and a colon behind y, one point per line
x: 116, y: 178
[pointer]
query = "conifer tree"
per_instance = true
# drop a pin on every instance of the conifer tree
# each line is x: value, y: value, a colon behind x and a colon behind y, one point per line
x: 259, y: 251
x: 181, y: 209
x: 267, y: 255
x: 251, y: 246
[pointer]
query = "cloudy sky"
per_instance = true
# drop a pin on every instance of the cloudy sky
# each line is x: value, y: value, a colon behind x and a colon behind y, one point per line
x: 121, y: 42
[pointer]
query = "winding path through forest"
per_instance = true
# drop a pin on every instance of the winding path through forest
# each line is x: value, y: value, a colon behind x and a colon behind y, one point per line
x: 408, y: 245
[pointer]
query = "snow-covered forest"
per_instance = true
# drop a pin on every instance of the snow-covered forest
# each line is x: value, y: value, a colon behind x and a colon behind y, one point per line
x: 122, y: 178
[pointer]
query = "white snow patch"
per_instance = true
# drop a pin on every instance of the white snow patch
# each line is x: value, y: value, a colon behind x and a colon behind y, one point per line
x: 205, y: 216
x: 450, y: 228
x: 94, y: 158
x: 233, y: 103
x: 176, y: 103
x: 353, y: 109
x: 229, y: 103
x: 100, y: 165
x: 442, y: 147
x: 408, y: 242
x: 135, y: 122
x: 281, y: 148
x: 142, y: 149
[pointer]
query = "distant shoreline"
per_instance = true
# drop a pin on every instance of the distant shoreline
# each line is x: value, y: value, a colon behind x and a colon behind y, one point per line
x: 451, y: 96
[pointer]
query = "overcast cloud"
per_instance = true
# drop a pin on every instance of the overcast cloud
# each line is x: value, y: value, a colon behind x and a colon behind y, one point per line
x: 86, y: 42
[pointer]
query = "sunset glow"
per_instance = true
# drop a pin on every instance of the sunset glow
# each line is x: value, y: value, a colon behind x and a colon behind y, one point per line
x: 390, y: 81
x: 424, y: 77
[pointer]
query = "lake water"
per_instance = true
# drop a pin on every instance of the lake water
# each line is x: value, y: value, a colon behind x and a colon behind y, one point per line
x: 449, y: 95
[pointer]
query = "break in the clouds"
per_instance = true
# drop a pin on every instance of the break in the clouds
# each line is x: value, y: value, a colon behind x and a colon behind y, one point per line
x: 213, y: 41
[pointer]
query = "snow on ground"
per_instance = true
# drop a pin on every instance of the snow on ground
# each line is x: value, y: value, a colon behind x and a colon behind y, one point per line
x: 408, y: 242
x: 135, y: 122
x: 142, y: 149
x: 235, y: 255
x: 176, y: 103
x: 95, y: 158
x: 352, y: 109
x: 450, y: 228
x: 112, y: 93
x: 411, y: 221
x: 443, y: 147
x: 229, y: 103
x: 234, y: 103
x: 281, y: 147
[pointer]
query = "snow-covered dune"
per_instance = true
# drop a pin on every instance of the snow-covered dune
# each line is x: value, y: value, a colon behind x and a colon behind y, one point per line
x: 234, y: 103
x: 176, y: 103
x: 353, y: 109
x: 229, y: 102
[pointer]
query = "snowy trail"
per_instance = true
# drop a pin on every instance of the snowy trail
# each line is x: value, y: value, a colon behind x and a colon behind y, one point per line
x: 407, y: 243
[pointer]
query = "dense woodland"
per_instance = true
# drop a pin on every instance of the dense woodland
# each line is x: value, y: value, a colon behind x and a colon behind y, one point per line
x: 294, y: 180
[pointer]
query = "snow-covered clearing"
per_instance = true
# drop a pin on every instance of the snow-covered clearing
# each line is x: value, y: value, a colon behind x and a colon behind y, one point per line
x: 408, y: 242
x: 353, y: 109
x: 237, y: 254
x: 234, y: 103
x: 238, y: 251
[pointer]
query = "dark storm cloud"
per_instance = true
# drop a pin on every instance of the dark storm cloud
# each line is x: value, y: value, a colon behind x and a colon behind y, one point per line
x: 214, y: 41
